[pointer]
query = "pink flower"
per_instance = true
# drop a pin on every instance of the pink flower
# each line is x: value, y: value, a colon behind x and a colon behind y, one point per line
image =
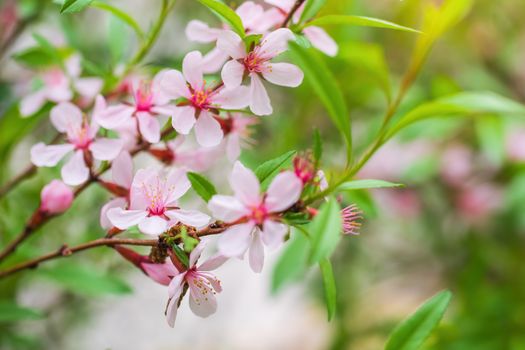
x: 515, y: 145
x: 256, y: 64
x: 56, y: 198
x: 122, y: 173
x: 255, y: 216
x: 304, y: 168
x: 58, y: 87
x: 237, y: 134
x: 317, y: 36
x: 153, y: 203
x: 203, y: 286
x: 81, y: 140
x: 201, y: 103
x: 149, y: 103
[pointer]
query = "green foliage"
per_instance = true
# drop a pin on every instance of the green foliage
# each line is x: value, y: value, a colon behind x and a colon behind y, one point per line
x: 226, y: 14
x: 34, y: 57
x: 325, y: 231
x: 317, y: 147
x: 181, y: 255
x: 292, y: 262
x: 10, y: 312
x: 202, y: 186
x: 269, y: 169
x: 121, y: 15
x: 311, y: 8
x: 330, y: 289
x: 412, y: 333
x: 366, y: 184
x: 358, y: 21
x: 71, y: 6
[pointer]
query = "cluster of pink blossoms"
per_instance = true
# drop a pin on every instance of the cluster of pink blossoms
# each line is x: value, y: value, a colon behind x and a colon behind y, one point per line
x: 217, y: 114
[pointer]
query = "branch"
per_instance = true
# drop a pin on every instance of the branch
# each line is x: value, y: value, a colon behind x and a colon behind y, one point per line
x: 298, y: 3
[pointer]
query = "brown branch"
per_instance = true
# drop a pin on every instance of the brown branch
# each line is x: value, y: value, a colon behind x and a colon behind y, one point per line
x: 27, y: 173
x: 298, y: 3
x: 65, y: 251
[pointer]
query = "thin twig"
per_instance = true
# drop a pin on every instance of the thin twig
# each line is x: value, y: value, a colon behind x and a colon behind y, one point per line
x: 298, y: 3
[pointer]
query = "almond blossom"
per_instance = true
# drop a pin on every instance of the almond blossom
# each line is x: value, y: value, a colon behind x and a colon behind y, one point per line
x: 82, y: 141
x: 256, y: 65
x: 59, y: 86
x: 201, y: 102
x: 254, y: 216
x: 317, y: 36
x: 56, y: 198
x: 237, y: 134
x: 153, y: 203
x: 202, y: 285
x: 148, y: 103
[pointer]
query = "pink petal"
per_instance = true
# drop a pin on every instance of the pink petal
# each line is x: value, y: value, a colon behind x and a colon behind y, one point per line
x: 232, y: 98
x: 75, y: 171
x: 105, y: 223
x: 249, y: 12
x: 196, y: 253
x: 283, y: 74
x: 284, y: 191
x: 114, y: 116
x: 192, y: 69
x: 189, y: 217
x: 259, y: 99
x: 321, y: 40
x: 245, y: 185
x: 122, y: 170
x: 183, y: 119
x: 73, y: 65
x: 235, y: 240
x: 213, y: 263
x: 233, y: 147
x: 173, y: 84
x: 256, y: 254
x: 42, y: 155
x: 149, y: 127
x: 273, y: 233
x: 177, y: 184
x: 138, y: 198
x: 175, y: 291
x: 160, y: 273
x: 202, y: 299
x: 66, y: 116
x: 124, y: 219
x: 232, y: 44
x: 208, y: 131
x: 284, y: 5
x: 88, y: 87
x: 59, y: 93
x: 227, y: 208
x: 153, y: 225
x: 200, y: 32
x: 32, y: 103
x: 232, y: 73
x: 106, y: 149
x: 176, y: 284
x: 275, y: 43
x: 213, y: 61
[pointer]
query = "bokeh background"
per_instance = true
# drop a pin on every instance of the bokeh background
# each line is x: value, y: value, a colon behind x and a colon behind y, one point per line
x: 458, y: 223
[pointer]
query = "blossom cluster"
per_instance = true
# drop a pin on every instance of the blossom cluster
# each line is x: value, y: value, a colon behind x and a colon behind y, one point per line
x: 145, y: 115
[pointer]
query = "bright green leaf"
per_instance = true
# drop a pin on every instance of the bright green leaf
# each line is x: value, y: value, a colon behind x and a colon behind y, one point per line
x: 123, y: 16
x: 10, y: 312
x: 358, y: 21
x: 412, y: 333
x: 311, y: 8
x: 226, y: 14
x: 330, y: 290
x: 317, y: 147
x: 292, y: 262
x: 181, y: 255
x: 267, y: 170
x: 71, y: 6
x: 202, y: 186
x: 365, y: 184
x: 325, y: 231
x: 34, y: 57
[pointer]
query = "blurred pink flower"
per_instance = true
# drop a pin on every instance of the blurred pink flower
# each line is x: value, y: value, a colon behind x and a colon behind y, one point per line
x: 515, y: 145
x: 256, y: 63
x: 153, y: 203
x: 456, y: 164
x: 82, y: 141
x: 477, y: 202
x: 237, y: 133
x: 56, y: 198
x: 197, y: 110
x: 255, y: 216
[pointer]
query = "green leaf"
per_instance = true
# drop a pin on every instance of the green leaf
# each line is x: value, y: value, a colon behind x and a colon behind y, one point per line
x: 365, y: 184
x: 326, y: 87
x: 303, y: 41
x: 123, y: 16
x: 34, y: 57
x: 225, y: 13
x: 84, y: 280
x: 71, y: 6
x: 117, y: 35
x: 491, y: 135
x: 10, y: 312
x: 325, y: 231
x: 267, y: 170
x: 311, y: 8
x: 411, y: 333
x: 292, y: 262
x: 181, y: 255
x: 330, y: 290
x: 318, y: 146
x: 462, y: 104
x: 252, y: 40
x: 358, y: 21
x: 202, y: 186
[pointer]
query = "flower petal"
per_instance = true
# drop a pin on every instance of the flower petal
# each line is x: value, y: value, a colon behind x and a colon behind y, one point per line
x: 273, y: 233
x: 232, y: 44
x: 235, y: 240
x: 105, y: 223
x: 174, y: 85
x: 232, y: 98
x: 213, y: 263
x: 227, y: 208
x: 160, y: 273
x: 43, y: 155
x: 183, y: 119
x: 192, y: 69
x: 149, y: 127
x: 122, y: 170
x: 233, y: 147
x: 208, y: 131
x: 113, y: 117
x: 66, y: 116
x: 256, y: 254
x: 283, y: 74
x: 284, y: 191
x: 259, y: 100
x: 200, y: 32
x: 213, y: 61
x: 75, y: 171
x: 232, y: 73
x: 321, y: 40
x: 88, y: 87
x: 106, y: 149
x: 189, y: 217
x: 177, y: 184
x: 202, y: 300
x: 153, y: 225
x: 275, y: 43
x: 32, y: 103
x: 124, y: 219
x: 196, y: 253
x: 245, y: 185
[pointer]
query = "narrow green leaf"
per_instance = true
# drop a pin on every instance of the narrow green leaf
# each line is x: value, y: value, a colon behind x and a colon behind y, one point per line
x: 202, y: 186
x: 325, y: 231
x: 292, y: 262
x: 34, y: 57
x: 84, y: 280
x: 10, y: 312
x: 311, y: 8
x: 252, y: 40
x: 358, y: 21
x: 365, y: 184
x: 71, y: 6
x: 123, y: 16
x: 181, y: 255
x: 267, y: 170
x: 318, y: 146
x: 330, y: 290
x: 225, y: 13
x: 326, y: 87
x: 412, y: 333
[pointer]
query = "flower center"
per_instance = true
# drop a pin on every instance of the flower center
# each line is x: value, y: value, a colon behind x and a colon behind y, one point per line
x: 201, y: 99
x: 54, y: 77
x: 155, y: 196
x: 253, y: 63
x: 143, y: 98
x: 259, y: 214
x: 81, y: 138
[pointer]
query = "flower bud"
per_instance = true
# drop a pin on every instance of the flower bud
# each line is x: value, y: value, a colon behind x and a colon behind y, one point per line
x: 56, y: 197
